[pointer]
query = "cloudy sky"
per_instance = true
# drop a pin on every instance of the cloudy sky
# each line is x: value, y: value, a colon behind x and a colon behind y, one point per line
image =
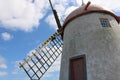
x: 25, y: 24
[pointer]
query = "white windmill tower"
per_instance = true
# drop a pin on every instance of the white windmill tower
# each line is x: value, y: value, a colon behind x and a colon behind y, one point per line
x: 91, y: 47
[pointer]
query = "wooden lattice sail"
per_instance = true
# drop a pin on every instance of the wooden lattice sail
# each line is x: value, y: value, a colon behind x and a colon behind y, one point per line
x: 41, y: 60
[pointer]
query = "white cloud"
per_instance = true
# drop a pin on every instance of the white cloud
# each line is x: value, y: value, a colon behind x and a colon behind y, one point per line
x: 16, y: 70
x: 54, y: 68
x: 30, y: 52
x: 51, y: 21
x: 111, y: 4
x: 3, y: 66
x: 2, y: 63
x: 22, y: 14
x: 64, y: 7
x: 26, y: 15
x: 3, y: 73
x: 6, y: 36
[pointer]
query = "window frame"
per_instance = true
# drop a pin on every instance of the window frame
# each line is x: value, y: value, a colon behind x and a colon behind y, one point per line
x: 104, y: 22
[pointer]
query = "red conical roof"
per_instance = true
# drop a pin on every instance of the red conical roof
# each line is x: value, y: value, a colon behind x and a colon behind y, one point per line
x: 88, y: 8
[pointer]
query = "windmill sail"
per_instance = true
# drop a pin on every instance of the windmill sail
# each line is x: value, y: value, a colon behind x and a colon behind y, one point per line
x: 41, y: 60
x: 55, y: 15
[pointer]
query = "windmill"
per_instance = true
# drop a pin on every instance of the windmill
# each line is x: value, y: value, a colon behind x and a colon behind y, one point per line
x: 44, y: 56
x: 91, y: 46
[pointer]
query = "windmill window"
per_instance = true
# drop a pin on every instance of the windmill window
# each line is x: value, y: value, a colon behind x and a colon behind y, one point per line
x: 105, y: 22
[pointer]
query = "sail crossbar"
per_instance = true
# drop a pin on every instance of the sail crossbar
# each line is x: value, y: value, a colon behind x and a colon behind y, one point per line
x: 43, y: 57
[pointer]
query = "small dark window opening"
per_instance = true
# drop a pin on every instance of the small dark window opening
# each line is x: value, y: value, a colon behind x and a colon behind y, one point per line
x: 78, y: 68
x: 105, y: 22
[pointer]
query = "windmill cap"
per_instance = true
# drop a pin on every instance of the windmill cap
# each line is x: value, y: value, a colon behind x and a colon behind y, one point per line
x: 88, y: 8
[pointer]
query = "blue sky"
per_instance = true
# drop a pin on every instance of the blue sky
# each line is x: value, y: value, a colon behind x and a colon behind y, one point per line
x: 25, y: 24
